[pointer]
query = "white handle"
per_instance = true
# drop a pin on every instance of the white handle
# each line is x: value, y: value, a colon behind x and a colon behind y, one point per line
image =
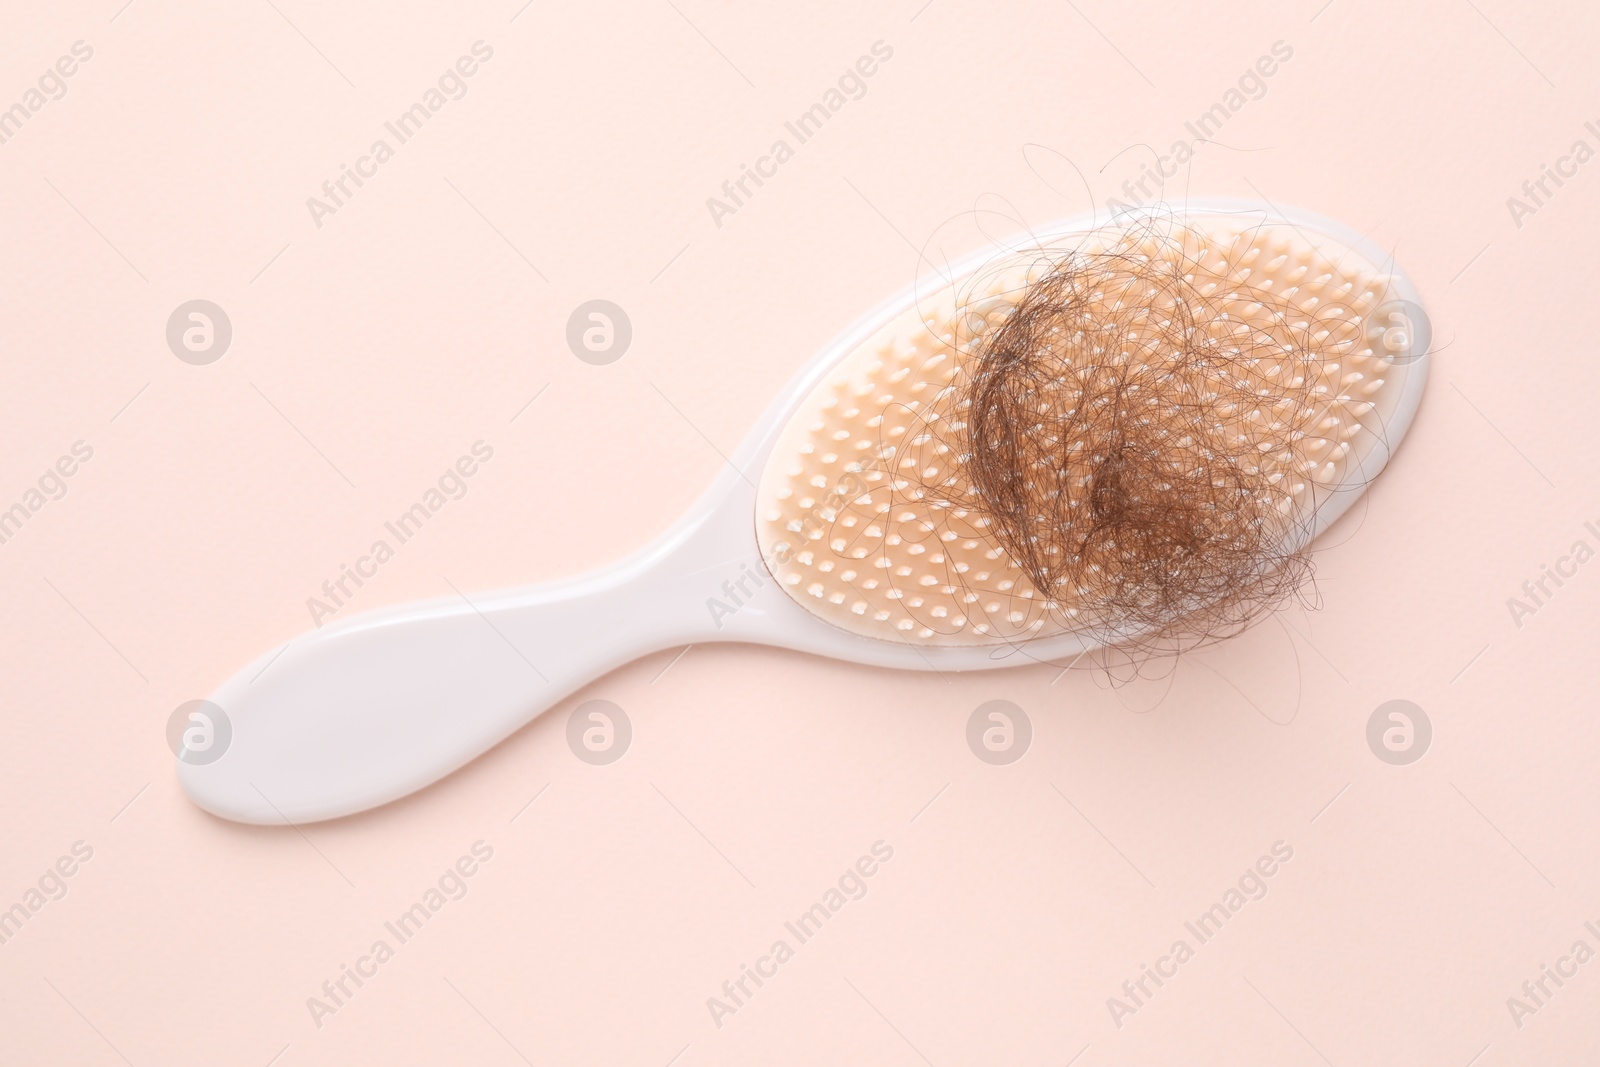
x: 362, y: 713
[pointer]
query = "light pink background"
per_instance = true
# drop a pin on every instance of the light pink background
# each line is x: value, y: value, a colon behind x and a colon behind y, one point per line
x: 414, y: 322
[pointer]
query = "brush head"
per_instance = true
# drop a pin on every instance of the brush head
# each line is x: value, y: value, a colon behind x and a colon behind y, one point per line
x: 1127, y: 433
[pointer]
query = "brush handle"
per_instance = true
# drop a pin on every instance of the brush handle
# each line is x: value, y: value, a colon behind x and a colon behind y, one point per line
x: 350, y: 717
x: 360, y: 713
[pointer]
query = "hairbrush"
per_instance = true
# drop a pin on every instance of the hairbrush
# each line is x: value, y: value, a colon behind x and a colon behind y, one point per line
x: 1100, y: 436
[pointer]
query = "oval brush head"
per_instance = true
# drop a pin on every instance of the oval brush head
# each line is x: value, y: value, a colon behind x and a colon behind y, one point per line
x: 1128, y: 434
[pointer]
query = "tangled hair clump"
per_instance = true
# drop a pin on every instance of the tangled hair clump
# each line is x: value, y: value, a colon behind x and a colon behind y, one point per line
x: 1143, y: 432
x: 1129, y: 435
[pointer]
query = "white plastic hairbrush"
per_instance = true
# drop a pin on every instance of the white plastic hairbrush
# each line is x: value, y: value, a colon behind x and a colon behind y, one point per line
x: 801, y: 542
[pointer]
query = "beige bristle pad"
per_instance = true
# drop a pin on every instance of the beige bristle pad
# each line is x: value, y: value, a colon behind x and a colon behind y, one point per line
x: 844, y: 527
